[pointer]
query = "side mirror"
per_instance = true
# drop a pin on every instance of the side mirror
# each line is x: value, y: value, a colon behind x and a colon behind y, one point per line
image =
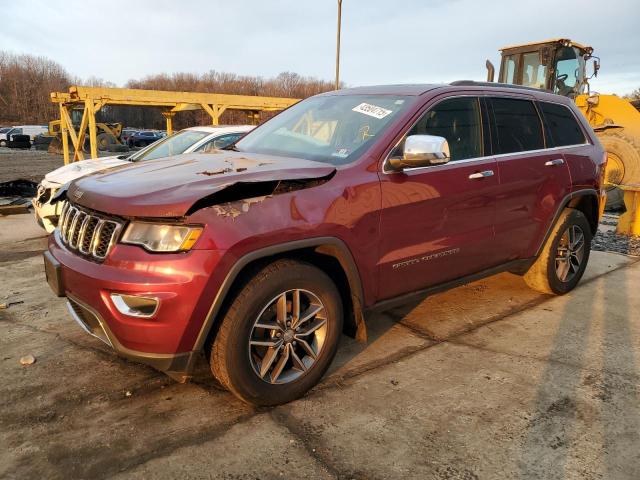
x: 422, y: 151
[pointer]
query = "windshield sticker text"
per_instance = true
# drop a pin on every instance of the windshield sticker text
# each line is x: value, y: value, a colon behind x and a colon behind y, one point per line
x: 372, y: 110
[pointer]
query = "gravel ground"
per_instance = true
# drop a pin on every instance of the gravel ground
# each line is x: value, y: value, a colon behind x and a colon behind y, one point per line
x: 27, y: 164
x: 607, y: 240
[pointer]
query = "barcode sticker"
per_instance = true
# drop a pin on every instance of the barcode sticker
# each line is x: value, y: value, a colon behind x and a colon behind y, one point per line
x: 372, y: 110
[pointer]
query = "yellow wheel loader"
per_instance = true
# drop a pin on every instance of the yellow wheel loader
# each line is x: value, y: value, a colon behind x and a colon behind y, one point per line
x: 565, y: 67
x: 108, y: 135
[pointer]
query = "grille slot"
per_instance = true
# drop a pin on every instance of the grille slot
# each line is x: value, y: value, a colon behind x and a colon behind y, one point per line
x: 86, y: 232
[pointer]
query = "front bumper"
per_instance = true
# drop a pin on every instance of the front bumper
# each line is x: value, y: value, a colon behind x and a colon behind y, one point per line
x: 182, y: 282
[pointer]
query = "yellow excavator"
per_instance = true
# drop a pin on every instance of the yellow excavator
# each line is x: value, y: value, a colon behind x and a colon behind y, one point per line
x: 565, y: 67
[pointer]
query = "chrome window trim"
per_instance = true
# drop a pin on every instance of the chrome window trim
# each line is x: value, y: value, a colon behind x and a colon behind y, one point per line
x: 488, y: 157
x: 385, y: 171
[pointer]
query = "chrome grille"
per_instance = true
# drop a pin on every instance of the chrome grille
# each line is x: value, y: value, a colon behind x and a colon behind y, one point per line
x: 87, y: 232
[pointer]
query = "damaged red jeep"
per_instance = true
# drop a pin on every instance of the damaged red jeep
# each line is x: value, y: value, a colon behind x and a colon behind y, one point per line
x: 262, y: 254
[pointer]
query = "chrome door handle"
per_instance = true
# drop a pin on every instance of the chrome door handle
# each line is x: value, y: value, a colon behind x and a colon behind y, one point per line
x: 553, y: 163
x: 479, y: 175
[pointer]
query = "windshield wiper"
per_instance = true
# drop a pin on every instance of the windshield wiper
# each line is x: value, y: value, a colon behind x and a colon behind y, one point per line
x: 231, y: 147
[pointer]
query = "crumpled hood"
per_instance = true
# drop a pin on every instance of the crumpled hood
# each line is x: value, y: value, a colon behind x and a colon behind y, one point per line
x: 169, y: 187
x: 75, y: 170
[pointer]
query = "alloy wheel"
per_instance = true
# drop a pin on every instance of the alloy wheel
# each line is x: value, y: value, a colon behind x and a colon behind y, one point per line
x: 570, y: 253
x: 288, y: 336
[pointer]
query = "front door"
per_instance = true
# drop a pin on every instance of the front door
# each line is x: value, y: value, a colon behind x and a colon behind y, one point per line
x: 437, y: 222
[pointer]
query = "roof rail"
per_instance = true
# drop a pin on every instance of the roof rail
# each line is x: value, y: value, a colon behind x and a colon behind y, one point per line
x: 473, y: 83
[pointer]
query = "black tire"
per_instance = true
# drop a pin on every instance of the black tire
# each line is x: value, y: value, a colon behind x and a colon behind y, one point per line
x: 543, y: 275
x: 104, y: 141
x: 231, y: 356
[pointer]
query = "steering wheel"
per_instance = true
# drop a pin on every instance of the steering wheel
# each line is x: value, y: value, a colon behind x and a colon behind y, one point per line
x: 562, y: 78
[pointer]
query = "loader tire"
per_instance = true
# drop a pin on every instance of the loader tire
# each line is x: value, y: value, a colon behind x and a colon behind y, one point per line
x: 104, y: 140
x: 623, y: 166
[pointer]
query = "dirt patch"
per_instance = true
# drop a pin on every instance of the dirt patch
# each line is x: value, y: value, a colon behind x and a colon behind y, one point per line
x: 27, y: 164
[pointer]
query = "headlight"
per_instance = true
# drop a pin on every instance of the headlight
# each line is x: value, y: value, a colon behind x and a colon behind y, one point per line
x: 161, y: 238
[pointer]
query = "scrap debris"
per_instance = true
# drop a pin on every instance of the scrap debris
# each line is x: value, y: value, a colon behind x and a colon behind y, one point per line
x: 27, y: 360
x: 4, y: 306
x: 15, y: 196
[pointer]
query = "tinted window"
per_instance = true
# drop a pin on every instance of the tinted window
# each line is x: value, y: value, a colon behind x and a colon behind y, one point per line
x: 563, y: 126
x: 517, y: 126
x: 457, y: 120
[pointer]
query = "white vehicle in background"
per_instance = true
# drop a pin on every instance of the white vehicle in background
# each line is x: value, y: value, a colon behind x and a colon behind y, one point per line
x: 31, y: 130
x: 3, y: 135
x: 194, y: 139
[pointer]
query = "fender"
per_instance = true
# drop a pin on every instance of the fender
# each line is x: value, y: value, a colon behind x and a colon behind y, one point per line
x: 329, y: 245
x: 565, y: 201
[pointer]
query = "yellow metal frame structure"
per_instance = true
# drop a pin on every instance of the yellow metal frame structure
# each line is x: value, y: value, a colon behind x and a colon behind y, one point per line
x: 92, y: 99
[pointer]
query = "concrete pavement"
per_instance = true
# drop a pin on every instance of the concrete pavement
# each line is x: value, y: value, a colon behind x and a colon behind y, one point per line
x: 490, y: 380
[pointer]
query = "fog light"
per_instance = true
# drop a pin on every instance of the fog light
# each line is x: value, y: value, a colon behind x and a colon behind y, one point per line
x: 135, y: 306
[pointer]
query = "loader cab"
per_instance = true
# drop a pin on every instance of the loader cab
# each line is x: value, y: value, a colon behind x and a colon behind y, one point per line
x: 555, y: 65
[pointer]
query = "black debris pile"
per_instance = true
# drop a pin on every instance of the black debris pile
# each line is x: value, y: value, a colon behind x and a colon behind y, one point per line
x: 16, y: 195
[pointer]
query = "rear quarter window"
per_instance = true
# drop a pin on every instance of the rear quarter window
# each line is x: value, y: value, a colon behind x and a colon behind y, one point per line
x: 562, y: 125
x: 517, y: 126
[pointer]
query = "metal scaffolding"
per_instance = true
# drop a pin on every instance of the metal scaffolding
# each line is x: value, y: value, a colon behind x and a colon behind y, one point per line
x: 91, y: 99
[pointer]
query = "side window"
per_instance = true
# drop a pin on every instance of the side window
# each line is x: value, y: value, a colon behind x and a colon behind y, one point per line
x: 509, y: 69
x: 219, y: 142
x: 457, y: 120
x: 563, y: 127
x: 517, y: 126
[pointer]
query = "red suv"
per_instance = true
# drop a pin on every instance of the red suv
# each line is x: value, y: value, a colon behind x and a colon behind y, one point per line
x: 261, y: 255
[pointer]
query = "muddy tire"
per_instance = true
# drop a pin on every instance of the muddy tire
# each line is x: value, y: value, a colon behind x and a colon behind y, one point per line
x: 623, y: 166
x: 565, y: 255
x: 279, y: 334
x: 104, y: 141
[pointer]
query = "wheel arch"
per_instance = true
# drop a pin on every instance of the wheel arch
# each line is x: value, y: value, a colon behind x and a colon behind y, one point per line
x: 585, y: 200
x: 330, y: 254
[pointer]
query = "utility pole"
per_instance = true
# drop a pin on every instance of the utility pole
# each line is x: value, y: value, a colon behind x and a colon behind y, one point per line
x: 338, y: 46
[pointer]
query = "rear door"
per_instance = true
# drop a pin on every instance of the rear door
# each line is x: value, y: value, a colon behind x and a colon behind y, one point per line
x: 533, y: 178
x: 437, y: 221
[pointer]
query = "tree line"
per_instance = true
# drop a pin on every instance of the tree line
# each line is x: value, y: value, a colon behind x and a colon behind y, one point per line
x: 26, y: 82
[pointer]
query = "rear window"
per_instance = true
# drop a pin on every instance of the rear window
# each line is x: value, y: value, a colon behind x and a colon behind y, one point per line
x: 563, y: 127
x: 517, y: 126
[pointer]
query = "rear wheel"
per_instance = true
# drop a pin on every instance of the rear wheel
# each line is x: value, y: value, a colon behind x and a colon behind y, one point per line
x: 279, y: 334
x: 564, y: 257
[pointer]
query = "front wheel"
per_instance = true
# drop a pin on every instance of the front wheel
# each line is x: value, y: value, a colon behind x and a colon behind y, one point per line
x: 279, y: 335
x: 564, y: 257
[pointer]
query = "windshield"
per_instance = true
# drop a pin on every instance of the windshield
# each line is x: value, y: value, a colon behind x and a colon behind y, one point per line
x: 332, y: 129
x: 5, y: 129
x: 169, y: 146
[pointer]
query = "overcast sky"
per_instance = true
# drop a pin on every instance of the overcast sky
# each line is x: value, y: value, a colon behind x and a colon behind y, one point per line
x: 383, y: 41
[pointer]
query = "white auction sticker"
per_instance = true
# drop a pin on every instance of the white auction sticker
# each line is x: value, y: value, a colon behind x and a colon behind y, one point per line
x: 372, y: 110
